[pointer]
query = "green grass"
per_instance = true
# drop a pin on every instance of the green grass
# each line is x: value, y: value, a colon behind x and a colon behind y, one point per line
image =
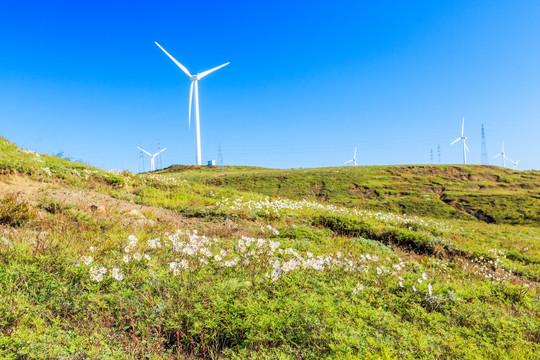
x: 489, y: 193
x: 483, y: 303
x: 52, y: 169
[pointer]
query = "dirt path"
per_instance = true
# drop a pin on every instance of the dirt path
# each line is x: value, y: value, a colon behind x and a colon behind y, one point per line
x: 91, y: 201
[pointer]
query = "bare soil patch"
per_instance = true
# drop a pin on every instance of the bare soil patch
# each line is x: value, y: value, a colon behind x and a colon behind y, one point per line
x: 363, y: 192
x: 90, y: 201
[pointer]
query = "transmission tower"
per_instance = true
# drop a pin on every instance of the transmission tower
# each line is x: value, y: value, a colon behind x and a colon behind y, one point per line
x: 141, y: 161
x: 484, y: 148
x: 439, y: 153
x: 220, y: 158
x: 159, y: 149
x: 431, y: 155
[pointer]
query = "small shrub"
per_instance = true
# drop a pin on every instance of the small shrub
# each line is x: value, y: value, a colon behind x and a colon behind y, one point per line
x: 14, y: 212
x: 509, y: 293
x: 114, y: 180
x: 524, y: 258
x: 441, y: 303
x: 344, y: 225
x: 300, y: 233
x: 52, y: 206
x: 373, y: 244
x: 81, y: 216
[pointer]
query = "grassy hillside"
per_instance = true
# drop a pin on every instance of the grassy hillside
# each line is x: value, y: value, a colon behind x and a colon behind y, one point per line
x: 488, y: 193
x: 254, y: 263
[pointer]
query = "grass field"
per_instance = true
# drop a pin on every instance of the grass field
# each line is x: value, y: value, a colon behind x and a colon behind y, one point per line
x: 489, y: 193
x: 386, y: 262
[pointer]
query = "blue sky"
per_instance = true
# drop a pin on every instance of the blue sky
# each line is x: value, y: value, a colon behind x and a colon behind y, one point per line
x: 307, y: 81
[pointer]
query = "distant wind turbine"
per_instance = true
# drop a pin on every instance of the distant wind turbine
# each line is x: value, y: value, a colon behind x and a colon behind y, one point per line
x: 353, y: 159
x: 462, y: 138
x: 194, y: 85
x: 502, y: 155
x: 152, y: 167
x: 515, y: 163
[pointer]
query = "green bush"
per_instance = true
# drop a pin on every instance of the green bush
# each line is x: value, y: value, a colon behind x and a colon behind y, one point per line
x: 373, y: 245
x: 300, y: 233
x: 390, y: 235
x: 524, y: 258
x: 346, y: 225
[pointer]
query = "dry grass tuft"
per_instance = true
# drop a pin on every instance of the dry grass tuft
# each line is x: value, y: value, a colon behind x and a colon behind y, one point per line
x: 15, y: 211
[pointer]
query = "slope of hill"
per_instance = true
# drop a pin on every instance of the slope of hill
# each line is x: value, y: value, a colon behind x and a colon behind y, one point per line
x: 257, y: 263
x: 491, y: 194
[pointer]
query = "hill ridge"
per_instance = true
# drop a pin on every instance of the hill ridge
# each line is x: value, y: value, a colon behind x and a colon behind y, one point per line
x: 263, y: 263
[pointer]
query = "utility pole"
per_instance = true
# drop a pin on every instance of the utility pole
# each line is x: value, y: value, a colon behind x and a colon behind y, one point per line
x: 220, y: 158
x: 159, y: 149
x: 439, y: 153
x: 431, y: 155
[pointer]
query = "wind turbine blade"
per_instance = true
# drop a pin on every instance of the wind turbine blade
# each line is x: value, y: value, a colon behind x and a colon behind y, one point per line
x: 465, y: 145
x: 175, y: 61
x: 346, y: 162
x: 502, y: 148
x: 144, y: 151
x: 496, y: 156
x: 355, y: 152
x: 160, y: 151
x: 204, y: 73
x: 455, y: 141
x: 190, y: 101
x: 463, y: 126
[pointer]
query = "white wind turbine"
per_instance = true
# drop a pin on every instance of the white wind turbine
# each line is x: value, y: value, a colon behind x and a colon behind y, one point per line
x: 502, y: 155
x: 462, y: 138
x: 515, y: 163
x: 353, y: 159
x: 152, y: 167
x: 194, y: 85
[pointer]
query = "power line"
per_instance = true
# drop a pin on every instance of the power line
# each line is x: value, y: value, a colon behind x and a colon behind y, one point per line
x: 243, y: 146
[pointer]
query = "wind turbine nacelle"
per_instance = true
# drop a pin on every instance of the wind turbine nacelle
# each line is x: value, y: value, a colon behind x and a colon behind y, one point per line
x: 194, y: 77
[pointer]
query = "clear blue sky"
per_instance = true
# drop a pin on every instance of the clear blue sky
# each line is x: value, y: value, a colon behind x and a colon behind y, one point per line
x: 307, y: 81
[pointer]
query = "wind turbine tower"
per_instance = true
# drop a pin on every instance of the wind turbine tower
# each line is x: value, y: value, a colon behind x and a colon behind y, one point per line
x: 194, y: 88
x: 141, y: 161
x: 462, y: 138
x: 152, y: 162
x: 502, y: 155
x: 515, y: 163
x: 353, y: 159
